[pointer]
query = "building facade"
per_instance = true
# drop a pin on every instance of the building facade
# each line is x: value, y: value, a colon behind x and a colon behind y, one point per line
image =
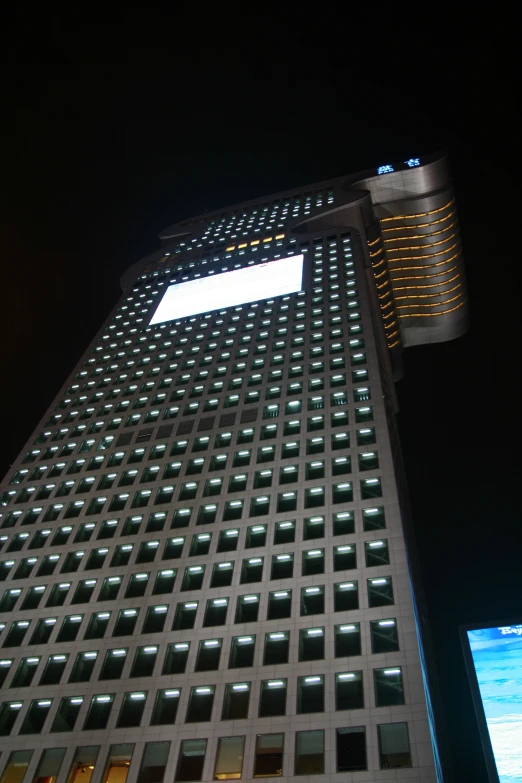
x: 206, y: 558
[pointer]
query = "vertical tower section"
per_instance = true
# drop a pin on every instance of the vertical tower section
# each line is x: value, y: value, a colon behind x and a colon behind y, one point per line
x: 204, y: 571
x: 415, y: 205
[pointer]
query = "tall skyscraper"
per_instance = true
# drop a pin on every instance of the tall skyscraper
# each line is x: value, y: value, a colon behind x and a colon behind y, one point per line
x: 206, y: 558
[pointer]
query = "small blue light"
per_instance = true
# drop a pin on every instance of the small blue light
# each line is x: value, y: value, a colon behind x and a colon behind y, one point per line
x: 387, y: 169
x: 412, y: 162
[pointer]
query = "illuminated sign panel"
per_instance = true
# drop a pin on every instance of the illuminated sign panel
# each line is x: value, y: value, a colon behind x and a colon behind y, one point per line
x: 262, y: 281
x: 496, y: 655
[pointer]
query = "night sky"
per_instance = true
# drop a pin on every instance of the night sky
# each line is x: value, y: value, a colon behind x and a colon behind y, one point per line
x: 112, y: 131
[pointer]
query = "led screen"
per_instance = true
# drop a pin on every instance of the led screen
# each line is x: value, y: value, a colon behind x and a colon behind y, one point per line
x: 262, y: 281
x: 497, y: 660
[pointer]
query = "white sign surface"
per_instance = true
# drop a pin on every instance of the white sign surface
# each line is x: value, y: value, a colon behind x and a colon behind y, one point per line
x: 263, y: 281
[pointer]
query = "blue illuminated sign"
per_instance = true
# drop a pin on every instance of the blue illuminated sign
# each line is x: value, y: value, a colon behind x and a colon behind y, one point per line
x: 412, y: 162
x: 497, y: 660
x: 387, y: 169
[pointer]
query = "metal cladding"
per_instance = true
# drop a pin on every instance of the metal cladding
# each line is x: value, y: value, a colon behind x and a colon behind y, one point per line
x: 406, y: 218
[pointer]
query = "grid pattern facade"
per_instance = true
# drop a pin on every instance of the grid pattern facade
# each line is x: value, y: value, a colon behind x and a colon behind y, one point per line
x: 202, y: 561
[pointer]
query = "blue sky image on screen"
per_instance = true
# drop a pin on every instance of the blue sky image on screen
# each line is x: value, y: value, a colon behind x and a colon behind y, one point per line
x: 497, y: 657
x: 214, y: 292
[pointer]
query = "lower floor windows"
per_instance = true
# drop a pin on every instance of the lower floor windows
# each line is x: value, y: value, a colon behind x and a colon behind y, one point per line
x: 223, y: 758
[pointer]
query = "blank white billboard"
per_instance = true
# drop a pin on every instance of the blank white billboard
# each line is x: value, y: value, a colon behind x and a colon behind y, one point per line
x: 262, y: 281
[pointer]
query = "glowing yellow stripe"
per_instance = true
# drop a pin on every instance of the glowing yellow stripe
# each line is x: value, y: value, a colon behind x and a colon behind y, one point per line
x: 382, y: 261
x: 426, y: 266
x: 370, y: 244
x: 381, y: 274
x: 432, y: 315
x: 428, y: 255
x: 429, y: 296
x: 422, y: 236
x: 435, y: 304
x: 420, y: 247
x: 394, y: 344
x: 419, y: 225
x: 393, y: 333
x: 377, y: 252
x: 423, y: 287
x: 424, y: 277
x: 419, y: 214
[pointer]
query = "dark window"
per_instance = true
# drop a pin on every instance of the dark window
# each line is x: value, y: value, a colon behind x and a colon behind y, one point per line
x: 351, y: 749
x: 284, y: 532
x: 389, y: 687
x: 185, y: 616
x: 113, y: 664
x: 176, y: 658
x: 380, y: 591
x: 191, y: 761
x: 276, y: 648
x: 52, y: 674
x: 242, y: 652
x: 376, y: 553
x: 384, y: 636
x: 215, y: 612
x: 269, y: 755
x: 144, y: 661
x: 193, y: 578
x: 222, y: 574
x: 131, y: 710
x: 200, y: 704
x: 309, y: 753
x: 272, y: 700
x: 394, y: 746
x: 25, y: 672
x: 99, y: 712
x: 83, y: 666
x: 279, y: 604
x: 35, y: 716
x: 154, y: 619
x: 165, y: 707
x: 126, y: 622
x: 66, y: 715
x: 236, y: 701
x: 164, y: 582
x: 310, y: 694
x: 227, y: 541
x: 136, y: 586
x: 209, y: 653
x: 346, y: 596
x: 345, y: 557
x: 311, y: 644
x: 41, y: 634
x: 373, y: 518
x: 312, y: 600
x: 282, y: 566
x: 153, y: 763
x: 343, y: 523
x: 252, y: 570
x: 255, y: 536
x: 97, y: 625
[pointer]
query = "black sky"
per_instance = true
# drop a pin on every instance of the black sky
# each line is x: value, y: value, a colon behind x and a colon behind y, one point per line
x: 113, y: 130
